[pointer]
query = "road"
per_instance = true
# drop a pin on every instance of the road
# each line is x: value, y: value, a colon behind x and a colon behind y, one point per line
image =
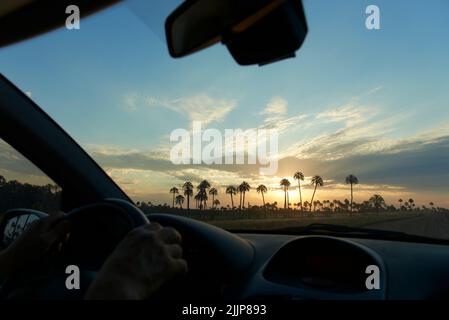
x: 435, y: 225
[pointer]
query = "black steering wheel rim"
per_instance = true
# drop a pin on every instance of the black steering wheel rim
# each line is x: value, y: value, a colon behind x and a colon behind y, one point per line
x: 87, y: 247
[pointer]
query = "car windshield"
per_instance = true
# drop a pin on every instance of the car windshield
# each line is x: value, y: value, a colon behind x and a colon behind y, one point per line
x: 355, y: 126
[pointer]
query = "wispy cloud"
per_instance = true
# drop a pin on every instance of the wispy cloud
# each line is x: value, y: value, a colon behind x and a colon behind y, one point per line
x: 354, y: 137
x: 363, y: 138
x: 350, y: 114
x: 131, y: 101
x: 276, y: 116
x: 276, y: 107
x: 372, y: 91
x: 201, y: 107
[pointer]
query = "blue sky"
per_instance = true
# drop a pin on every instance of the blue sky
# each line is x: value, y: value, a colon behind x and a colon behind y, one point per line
x: 351, y: 96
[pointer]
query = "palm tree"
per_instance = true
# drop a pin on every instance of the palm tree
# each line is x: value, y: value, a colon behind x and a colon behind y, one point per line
x: 216, y: 203
x: 202, y: 198
x: 197, y: 200
x: 243, y: 188
x: 284, y: 183
x: 306, y: 204
x: 188, y: 192
x: 412, y: 203
x: 377, y: 201
x: 299, y: 176
x: 180, y: 200
x: 174, y: 190
x: 400, y: 204
x: 240, y: 191
x: 231, y: 190
x: 204, y: 185
x: 202, y: 189
x: 213, y: 192
x: 317, y: 181
x: 262, y: 189
x: 352, y: 179
x: 335, y: 202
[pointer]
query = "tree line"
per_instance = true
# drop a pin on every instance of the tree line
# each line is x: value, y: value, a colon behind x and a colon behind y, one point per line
x: 237, y: 194
x: 15, y: 194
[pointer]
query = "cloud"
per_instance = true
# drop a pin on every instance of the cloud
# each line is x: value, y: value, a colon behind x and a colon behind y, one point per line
x: 422, y: 165
x: 415, y: 167
x: 348, y: 130
x: 353, y: 138
x: 131, y: 101
x: 277, y: 106
x: 276, y: 116
x: 350, y: 114
x: 373, y: 90
x: 201, y: 107
x: 364, y: 139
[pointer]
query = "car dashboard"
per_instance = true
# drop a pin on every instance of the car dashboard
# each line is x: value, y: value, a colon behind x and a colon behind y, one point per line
x: 264, y: 266
x: 322, y: 267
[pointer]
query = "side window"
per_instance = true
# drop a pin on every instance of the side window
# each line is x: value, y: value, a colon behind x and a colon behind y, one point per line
x: 23, y: 185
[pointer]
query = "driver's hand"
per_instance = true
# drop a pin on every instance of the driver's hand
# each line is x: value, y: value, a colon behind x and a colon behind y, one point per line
x: 147, y: 257
x: 34, y: 244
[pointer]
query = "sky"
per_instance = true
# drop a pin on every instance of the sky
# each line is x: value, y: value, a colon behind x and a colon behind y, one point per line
x: 373, y: 103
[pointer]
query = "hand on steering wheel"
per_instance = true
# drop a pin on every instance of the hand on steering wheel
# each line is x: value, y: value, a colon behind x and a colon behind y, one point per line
x: 34, y: 244
x: 148, y: 257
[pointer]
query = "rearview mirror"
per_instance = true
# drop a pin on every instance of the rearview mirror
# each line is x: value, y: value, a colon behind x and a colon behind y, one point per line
x: 254, y: 31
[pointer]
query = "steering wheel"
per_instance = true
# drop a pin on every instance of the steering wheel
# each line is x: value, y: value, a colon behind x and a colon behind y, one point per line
x: 217, y: 259
x: 96, y: 229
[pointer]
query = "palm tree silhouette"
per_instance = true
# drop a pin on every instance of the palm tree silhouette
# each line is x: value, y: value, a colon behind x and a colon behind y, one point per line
x: 216, y: 203
x: 243, y: 188
x: 231, y: 190
x: 284, y: 183
x: 412, y: 203
x: 262, y: 189
x: 188, y: 192
x: 306, y: 204
x: 317, y: 181
x: 352, y: 179
x: 197, y: 200
x: 174, y: 190
x: 180, y: 200
x: 204, y: 185
x: 213, y: 192
x: 202, y: 190
x: 299, y: 176
x: 202, y: 198
x: 336, y: 204
x: 377, y: 201
x: 240, y: 191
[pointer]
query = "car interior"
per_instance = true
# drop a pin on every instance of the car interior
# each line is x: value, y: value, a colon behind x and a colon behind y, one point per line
x: 314, y: 262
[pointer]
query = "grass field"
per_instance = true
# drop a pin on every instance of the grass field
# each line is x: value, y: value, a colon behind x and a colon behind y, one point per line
x: 271, y: 223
